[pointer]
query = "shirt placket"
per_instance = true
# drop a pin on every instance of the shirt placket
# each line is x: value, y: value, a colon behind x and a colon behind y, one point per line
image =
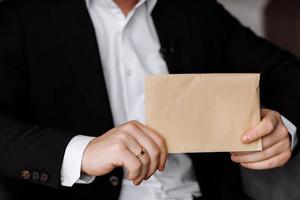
x: 129, y: 68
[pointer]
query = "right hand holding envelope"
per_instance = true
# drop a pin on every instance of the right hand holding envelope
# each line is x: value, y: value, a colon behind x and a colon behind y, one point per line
x: 275, y: 139
x: 133, y: 145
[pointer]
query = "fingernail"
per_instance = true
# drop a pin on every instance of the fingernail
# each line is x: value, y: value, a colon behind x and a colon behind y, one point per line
x: 235, y: 158
x: 246, y: 138
x: 232, y: 157
x: 137, y: 183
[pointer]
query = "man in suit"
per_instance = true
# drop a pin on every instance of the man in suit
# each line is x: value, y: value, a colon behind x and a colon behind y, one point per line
x: 72, y: 95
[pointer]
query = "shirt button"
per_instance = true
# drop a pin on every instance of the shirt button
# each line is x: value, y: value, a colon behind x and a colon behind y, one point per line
x: 128, y: 72
x: 26, y: 174
x: 114, y: 181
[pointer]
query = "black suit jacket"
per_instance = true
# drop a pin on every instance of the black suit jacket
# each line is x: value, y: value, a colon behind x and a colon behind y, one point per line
x: 52, y: 87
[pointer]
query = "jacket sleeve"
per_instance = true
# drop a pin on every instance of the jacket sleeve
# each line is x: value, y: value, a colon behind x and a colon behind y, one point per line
x: 28, y: 152
x: 280, y: 71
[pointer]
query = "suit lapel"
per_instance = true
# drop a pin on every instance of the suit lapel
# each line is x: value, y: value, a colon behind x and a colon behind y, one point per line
x: 170, y: 29
x: 83, y: 56
x: 167, y: 39
x: 184, y: 42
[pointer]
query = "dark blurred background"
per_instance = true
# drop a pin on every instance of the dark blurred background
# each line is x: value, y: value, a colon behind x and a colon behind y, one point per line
x: 278, y: 21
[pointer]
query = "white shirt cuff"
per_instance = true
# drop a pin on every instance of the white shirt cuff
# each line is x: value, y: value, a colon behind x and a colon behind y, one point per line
x: 71, y: 166
x: 292, y: 130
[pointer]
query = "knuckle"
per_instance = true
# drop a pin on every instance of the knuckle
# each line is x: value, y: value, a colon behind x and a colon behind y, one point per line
x: 156, y: 152
x: 161, y: 141
x: 270, y: 124
x: 129, y: 126
x: 132, y: 176
x: 120, y: 147
x: 134, y: 123
x: 288, y: 155
x: 284, y: 131
x: 275, y: 114
x: 123, y: 137
x: 137, y: 167
x: 272, y: 113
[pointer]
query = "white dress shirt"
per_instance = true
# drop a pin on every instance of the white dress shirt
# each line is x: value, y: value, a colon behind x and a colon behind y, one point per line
x: 129, y: 49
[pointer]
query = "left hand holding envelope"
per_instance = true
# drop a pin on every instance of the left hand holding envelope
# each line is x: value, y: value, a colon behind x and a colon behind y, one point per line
x: 275, y: 140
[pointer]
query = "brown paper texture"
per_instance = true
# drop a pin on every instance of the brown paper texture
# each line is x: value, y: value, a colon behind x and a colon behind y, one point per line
x: 203, y: 112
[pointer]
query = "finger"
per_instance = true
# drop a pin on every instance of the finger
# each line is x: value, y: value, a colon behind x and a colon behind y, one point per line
x: 149, y: 145
x: 137, y: 149
x: 145, y: 159
x: 159, y: 141
x: 154, y: 154
x: 131, y: 163
x: 273, y: 162
x: 278, y: 134
x: 265, y: 127
x: 241, y: 153
x: 264, y: 112
x: 268, y: 153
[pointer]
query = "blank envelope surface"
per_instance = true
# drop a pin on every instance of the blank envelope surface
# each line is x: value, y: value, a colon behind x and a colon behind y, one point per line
x: 203, y: 112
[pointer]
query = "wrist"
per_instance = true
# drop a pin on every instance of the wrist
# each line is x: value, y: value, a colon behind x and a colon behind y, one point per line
x: 85, y: 160
x: 71, y: 166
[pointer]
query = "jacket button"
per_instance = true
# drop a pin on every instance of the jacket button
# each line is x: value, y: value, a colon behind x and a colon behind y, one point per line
x: 26, y: 174
x: 44, y: 178
x: 114, y: 181
x: 35, y: 175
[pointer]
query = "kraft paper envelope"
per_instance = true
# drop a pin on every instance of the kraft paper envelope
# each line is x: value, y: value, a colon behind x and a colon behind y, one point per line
x: 203, y: 112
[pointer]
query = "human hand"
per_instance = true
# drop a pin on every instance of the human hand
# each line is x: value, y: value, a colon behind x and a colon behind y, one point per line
x: 133, y: 145
x: 275, y: 141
